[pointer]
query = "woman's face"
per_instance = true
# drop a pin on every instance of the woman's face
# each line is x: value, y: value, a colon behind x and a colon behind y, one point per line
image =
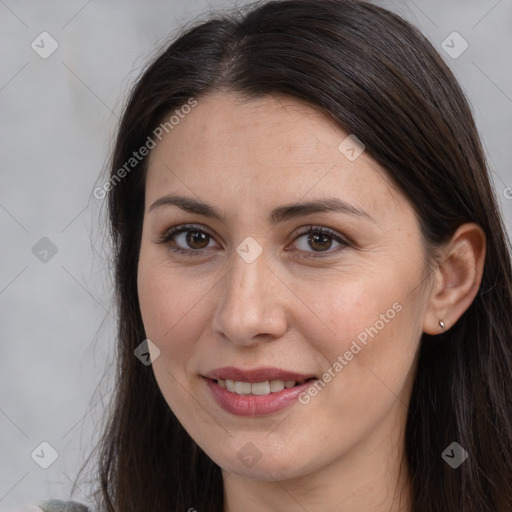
x: 253, y: 291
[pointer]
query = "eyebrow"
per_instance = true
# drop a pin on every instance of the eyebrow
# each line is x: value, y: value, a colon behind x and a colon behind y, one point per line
x: 280, y: 214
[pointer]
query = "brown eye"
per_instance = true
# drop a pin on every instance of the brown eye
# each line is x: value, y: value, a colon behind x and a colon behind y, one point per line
x: 197, y: 239
x: 188, y: 240
x: 320, y: 240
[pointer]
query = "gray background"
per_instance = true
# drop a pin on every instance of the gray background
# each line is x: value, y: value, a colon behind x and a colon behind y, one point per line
x: 58, y: 118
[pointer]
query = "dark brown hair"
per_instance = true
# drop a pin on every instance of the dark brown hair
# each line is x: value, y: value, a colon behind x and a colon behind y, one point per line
x: 379, y: 78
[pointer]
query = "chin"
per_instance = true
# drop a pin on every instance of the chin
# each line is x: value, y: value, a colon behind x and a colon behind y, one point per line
x: 267, y: 471
x: 266, y: 463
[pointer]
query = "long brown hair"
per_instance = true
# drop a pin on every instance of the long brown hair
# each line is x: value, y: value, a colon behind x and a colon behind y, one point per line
x: 379, y: 78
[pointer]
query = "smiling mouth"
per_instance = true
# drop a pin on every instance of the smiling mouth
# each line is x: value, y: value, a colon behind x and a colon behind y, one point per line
x: 259, y: 388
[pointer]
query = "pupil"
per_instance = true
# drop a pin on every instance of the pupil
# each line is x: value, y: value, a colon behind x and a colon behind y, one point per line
x: 315, y: 239
x: 194, y: 237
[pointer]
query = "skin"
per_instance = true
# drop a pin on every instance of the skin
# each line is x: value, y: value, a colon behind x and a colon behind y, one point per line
x: 288, y: 309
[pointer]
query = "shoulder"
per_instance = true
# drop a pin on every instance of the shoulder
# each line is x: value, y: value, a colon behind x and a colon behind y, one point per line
x: 62, y: 506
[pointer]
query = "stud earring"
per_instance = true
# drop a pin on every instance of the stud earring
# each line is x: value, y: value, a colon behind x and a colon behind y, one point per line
x: 441, y: 324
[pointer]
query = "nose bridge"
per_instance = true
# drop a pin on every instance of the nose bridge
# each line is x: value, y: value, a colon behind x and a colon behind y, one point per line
x: 248, y: 304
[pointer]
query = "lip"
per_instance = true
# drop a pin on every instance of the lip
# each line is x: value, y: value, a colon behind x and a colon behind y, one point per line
x: 255, y: 405
x: 260, y: 374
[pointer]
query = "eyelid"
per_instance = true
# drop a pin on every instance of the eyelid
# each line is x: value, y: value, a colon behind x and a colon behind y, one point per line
x: 343, y: 240
x: 170, y: 233
x: 180, y: 228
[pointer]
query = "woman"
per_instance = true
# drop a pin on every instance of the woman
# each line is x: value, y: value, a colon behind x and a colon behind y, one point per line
x: 312, y: 276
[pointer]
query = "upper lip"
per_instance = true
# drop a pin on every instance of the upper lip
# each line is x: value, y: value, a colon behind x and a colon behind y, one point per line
x: 260, y: 374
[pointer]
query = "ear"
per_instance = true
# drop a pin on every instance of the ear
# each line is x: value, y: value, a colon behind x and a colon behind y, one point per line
x: 457, y: 278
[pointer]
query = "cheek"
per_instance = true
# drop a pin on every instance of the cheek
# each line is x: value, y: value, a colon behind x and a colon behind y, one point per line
x: 171, y: 306
x: 338, y: 309
x: 367, y: 352
x: 364, y: 325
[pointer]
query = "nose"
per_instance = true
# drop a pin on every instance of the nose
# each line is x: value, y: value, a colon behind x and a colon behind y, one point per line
x: 251, y: 304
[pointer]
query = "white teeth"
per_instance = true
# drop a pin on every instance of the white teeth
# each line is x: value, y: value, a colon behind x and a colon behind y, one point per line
x: 256, y: 388
x: 260, y: 388
x: 242, y: 388
x: 276, y: 385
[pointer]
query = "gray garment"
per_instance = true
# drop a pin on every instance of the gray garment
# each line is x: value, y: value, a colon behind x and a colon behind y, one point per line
x: 62, y: 506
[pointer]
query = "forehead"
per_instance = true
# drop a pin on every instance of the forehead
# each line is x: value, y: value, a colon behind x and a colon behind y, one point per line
x: 270, y: 130
x: 254, y: 149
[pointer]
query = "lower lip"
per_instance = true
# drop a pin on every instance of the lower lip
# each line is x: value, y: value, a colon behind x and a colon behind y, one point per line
x: 255, y: 405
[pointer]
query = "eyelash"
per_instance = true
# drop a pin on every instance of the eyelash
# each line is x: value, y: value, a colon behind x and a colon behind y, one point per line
x: 167, y: 238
